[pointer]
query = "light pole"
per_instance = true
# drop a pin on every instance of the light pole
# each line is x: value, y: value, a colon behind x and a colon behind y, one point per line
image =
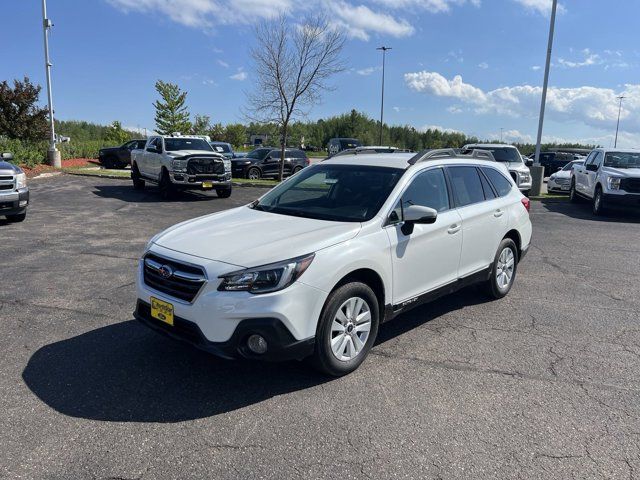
x: 537, y: 173
x: 501, y: 132
x: 384, y: 54
x: 621, y: 97
x: 53, y: 155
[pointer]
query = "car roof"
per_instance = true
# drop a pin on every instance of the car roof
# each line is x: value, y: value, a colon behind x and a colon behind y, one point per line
x: 489, y: 145
x: 401, y: 160
x: 618, y: 150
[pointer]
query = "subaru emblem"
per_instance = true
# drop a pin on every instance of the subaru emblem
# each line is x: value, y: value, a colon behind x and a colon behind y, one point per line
x: 165, y: 271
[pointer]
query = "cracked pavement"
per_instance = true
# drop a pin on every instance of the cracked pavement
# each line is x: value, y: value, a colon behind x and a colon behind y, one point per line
x: 542, y: 384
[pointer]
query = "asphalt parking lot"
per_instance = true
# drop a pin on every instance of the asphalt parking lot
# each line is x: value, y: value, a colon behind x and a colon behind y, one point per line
x: 542, y: 384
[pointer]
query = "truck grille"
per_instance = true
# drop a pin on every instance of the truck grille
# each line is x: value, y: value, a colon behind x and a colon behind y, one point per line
x: 6, y: 186
x: 514, y: 175
x: 173, y: 278
x: 200, y: 166
x: 631, y: 185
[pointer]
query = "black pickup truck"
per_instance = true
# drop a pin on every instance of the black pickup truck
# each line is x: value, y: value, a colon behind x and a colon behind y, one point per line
x: 119, y: 157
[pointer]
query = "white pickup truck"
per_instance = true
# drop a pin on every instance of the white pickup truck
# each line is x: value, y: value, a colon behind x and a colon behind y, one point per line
x: 180, y: 162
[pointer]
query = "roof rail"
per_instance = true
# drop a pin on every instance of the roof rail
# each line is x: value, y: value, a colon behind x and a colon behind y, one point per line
x: 432, y: 154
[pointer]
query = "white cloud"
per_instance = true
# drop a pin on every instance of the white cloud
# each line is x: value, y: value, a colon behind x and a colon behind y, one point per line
x: 241, y: 76
x: 359, y: 21
x: 511, y: 136
x: 589, y: 60
x: 433, y: 6
x: 540, y: 6
x: 366, y: 71
x: 535, y: 68
x: 483, y: 65
x: 222, y: 63
x: 592, y: 106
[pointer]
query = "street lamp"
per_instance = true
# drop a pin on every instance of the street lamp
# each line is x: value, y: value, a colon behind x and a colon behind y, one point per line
x: 537, y: 173
x: 53, y: 155
x: 384, y: 54
x: 621, y: 97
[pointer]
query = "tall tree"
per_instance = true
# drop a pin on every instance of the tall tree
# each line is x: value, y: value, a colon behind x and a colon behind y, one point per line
x: 20, y: 115
x: 116, y: 134
x: 293, y: 64
x: 172, y: 114
x: 216, y: 132
x: 235, y: 134
x: 201, y: 125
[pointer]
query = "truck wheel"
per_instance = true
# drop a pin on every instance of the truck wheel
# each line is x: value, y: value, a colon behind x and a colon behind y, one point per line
x: 167, y: 190
x: 138, y: 182
x: 347, y: 329
x: 598, y: 202
x: 296, y: 169
x: 503, y: 270
x: 254, y: 174
x: 573, y: 195
x: 17, y: 218
x: 223, y: 192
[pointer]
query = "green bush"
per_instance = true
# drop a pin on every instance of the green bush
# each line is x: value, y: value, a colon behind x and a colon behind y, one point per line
x: 34, y: 153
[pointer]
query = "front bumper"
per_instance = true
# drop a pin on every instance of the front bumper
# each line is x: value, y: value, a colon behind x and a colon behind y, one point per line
x: 185, y: 180
x: 552, y: 186
x: 628, y: 200
x: 14, y: 203
x: 281, y: 344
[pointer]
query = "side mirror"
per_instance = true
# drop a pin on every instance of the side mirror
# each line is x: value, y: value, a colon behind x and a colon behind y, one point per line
x: 592, y: 167
x: 417, y: 214
x: 559, y: 168
x: 529, y: 163
x: 7, y: 156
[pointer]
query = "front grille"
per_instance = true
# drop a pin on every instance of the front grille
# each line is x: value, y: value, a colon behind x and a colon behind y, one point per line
x: 200, y: 166
x: 562, y: 181
x: 631, y: 185
x: 6, y: 178
x: 173, y: 278
x: 6, y: 186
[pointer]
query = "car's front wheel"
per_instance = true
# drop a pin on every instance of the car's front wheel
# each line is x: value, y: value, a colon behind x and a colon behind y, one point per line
x: 136, y: 178
x: 223, y: 192
x: 503, y: 269
x: 167, y: 190
x: 598, y: 202
x: 254, y: 173
x: 347, y: 329
x: 573, y: 195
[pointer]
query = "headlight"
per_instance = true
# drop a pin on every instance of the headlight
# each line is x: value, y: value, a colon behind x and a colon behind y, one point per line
x: 268, y: 278
x: 21, y: 180
x: 552, y: 177
x: 227, y: 165
x: 179, y: 164
x: 613, y: 183
x: 525, y: 177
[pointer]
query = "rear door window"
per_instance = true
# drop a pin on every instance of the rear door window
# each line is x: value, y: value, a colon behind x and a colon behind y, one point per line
x: 499, y: 182
x: 467, y: 186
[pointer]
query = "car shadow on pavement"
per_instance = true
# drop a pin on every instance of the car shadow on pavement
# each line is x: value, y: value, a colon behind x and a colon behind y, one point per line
x: 149, y: 195
x: 582, y: 211
x: 127, y: 373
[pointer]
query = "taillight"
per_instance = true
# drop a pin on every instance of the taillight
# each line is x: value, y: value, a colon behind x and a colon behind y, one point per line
x: 527, y: 203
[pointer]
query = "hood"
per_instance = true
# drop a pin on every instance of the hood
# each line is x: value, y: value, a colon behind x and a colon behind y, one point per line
x: 250, y: 238
x: 517, y: 167
x: 622, y: 172
x: 8, y: 167
x: 199, y: 153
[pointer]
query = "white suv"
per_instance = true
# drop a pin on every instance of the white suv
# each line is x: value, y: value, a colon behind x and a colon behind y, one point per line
x: 510, y: 156
x: 315, y: 265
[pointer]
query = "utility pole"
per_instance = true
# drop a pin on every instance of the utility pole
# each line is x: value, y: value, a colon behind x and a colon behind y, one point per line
x: 384, y: 54
x: 53, y: 155
x: 501, y: 131
x: 537, y: 173
x: 621, y: 97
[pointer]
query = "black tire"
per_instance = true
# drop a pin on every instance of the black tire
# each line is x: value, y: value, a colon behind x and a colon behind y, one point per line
x: 597, y: 204
x: 138, y: 182
x: 492, y: 288
x: 296, y: 170
x: 323, y: 358
x: 223, y: 192
x: 254, y: 173
x: 109, y: 163
x: 573, y: 195
x: 17, y: 218
x: 167, y: 190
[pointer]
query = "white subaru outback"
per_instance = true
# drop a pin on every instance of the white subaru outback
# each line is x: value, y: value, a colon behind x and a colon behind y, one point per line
x: 314, y: 266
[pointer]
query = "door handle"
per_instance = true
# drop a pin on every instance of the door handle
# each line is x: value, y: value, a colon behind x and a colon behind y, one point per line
x: 498, y: 213
x: 455, y: 228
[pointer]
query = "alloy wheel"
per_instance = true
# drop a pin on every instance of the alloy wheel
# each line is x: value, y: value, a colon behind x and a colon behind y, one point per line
x: 505, y: 268
x: 350, y: 329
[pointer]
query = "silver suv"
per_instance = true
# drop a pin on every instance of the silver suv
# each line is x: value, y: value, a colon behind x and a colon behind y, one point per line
x: 510, y: 156
x: 14, y: 194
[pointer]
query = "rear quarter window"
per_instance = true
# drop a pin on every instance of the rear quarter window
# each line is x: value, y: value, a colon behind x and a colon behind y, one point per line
x: 499, y: 181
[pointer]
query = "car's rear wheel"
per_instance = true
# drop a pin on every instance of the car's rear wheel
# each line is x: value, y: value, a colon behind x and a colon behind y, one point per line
x: 598, y: 202
x: 109, y: 162
x: 347, y: 329
x: 167, y: 190
x: 296, y: 169
x: 136, y: 178
x: 17, y: 218
x: 503, y: 269
x: 254, y: 174
x: 223, y: 192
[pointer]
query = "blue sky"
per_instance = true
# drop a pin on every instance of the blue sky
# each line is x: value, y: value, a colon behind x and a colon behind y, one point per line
x: 468, y: 65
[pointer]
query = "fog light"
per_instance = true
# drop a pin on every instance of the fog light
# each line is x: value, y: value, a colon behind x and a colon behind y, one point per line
x: 23, y: 203
x: 257, y: 344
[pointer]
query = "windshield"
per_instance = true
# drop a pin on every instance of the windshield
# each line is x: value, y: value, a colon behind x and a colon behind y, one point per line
x: 341, y: 193
x: 175, y: 144
x: 221, y: 147
x: 502, y: 154
x: 622, y: 160
x: 258, y: 153
x: 570, y: 165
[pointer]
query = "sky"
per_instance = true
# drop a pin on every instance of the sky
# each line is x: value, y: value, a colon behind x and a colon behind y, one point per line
x: 474, y: 66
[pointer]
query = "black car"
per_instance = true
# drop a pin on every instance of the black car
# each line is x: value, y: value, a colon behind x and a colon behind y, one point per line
x: 553, y: 161
x: 265, y: 162
x: 119, y: 157
x: 14, y: 193
x: 336, y: 145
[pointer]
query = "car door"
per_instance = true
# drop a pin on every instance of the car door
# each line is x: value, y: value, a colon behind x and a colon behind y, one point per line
x: 591, y: 174
x: 428, y: 257
x: 580, y: 173
x: 484, y: 218
x: 149, y: 158
x: 271, y: 163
